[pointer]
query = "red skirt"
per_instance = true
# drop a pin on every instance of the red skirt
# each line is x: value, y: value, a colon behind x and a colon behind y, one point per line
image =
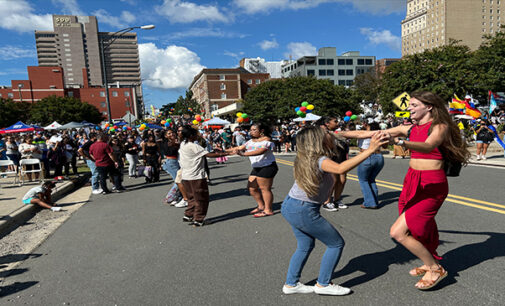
x: 422, y: 195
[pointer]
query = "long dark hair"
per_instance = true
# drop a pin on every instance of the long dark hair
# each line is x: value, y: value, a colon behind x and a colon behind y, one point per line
x: 263, y: 127
x: 453, y: 147
x: 188, y: 133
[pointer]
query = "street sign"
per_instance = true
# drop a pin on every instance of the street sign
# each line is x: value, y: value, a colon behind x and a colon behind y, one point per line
x: 402, y: 101
x: 402, y: 114
x: 129, y: 117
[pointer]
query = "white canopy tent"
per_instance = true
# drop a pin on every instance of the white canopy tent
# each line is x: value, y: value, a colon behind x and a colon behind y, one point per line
x: 53, y: 126
x: 216, y: 121
x: 309, y: 117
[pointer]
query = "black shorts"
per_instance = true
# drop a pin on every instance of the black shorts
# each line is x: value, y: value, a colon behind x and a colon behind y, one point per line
x: 266, y: 172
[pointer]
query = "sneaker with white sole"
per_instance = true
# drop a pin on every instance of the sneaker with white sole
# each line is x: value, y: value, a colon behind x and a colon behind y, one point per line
x: 181, y: 204
x: 483, y: 157
x: 478, y: 157
x: 339, y: 204
x: 330, y: 207
x: 97, y: 191
x: 55, y: 208
x: 299, y: 288
x: 332, y: 289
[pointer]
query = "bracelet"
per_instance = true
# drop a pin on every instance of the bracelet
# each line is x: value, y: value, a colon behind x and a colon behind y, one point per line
x: 400, y: 143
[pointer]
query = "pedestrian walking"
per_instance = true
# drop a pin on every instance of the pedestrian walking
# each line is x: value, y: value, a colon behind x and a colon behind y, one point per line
x: 106, y: 163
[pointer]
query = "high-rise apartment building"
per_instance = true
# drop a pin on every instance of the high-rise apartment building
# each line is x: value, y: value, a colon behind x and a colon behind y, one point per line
x: 259, y: 65
x: 74, y: 45
x: 432, y: 23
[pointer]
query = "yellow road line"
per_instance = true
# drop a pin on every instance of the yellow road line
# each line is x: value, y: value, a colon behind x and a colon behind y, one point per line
x: 450, y: 197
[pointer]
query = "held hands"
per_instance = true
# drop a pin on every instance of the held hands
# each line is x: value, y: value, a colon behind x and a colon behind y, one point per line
x: 379, y: 139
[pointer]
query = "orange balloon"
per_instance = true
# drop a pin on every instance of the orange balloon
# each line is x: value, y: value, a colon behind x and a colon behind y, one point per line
x: 240, y: 120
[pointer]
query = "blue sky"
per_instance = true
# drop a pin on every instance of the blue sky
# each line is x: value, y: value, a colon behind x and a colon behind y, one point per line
x: 194, y: 34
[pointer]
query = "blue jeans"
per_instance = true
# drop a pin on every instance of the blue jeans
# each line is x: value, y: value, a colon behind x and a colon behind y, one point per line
x: 171, y: 166
x: 367, y: 172
x: 95, y: 185
x: 308, y: 225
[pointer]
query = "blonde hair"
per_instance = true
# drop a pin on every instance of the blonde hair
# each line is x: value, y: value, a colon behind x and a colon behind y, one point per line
x: 310, y: 147
x: 453, y: 147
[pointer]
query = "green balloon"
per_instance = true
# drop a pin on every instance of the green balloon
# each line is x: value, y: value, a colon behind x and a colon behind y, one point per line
x: 244, y: 115
x: 353, y: 117
x: 305, y: 103
x: 303, y: 115
x: 300, y: 113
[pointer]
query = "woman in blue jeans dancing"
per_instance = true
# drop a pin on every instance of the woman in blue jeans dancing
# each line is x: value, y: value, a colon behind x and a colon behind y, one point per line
x: 301, y: 208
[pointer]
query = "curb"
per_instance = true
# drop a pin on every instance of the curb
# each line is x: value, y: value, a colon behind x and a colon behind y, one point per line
x: 23, y: 214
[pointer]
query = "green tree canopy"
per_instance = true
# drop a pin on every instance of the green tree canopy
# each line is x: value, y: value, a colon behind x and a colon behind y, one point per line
x: 183, y: 105
x: 277, y: 99
x: 63, y: 109
x: 12, y: 112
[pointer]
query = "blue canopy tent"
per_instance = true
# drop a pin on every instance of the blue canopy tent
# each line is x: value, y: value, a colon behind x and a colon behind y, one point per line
x: 154, y: 126
x: 20, y: 127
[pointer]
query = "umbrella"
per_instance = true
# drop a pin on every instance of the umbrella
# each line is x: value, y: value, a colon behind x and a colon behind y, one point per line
x: 309, y: 117
x: 154, y: 126
x: 216, y: 121
x: 72, y: 125
x: 20, y: 127
x: 53, y: 126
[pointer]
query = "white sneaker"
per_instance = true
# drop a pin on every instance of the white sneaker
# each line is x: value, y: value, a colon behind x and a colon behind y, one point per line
x: 478, y: 157
x: 54, y: 208
x: 182, y: 203
x: 483, y: 157
x: 173, y: 202
x: 299, y: 288
x: 97, y: 191
x: 340, y: 204
x: 330, y: 207
x: 331, y: 290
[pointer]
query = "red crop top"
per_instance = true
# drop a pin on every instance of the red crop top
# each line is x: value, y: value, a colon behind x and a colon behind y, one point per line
x: 419, y: 133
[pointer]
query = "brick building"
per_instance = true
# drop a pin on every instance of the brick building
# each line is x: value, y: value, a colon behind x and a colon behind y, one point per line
x: 47, y: 81
x: 218, y: 90
x: 382, y: 64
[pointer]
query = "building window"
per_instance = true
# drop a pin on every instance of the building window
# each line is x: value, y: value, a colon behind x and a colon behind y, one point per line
x: 322, y: 72
x: 65, y: 35
x: 126, y: 94
x: 349, y: 62
x: 102, y: 93
x: 341, y: 72
x: 114, y: 93
x: 361, y: 61
x: 223, y: 86
x: 10, y: 95
x: 311, y: 72
x: 258, y: 81
x: 70, y: 93
x: 330, y: 72
x: 67, y: 50
x: 341, y: 61
x: 249, y: 81
x: 321, y: 61
x: 127, y: 103
x: 221, y: 77
x: 341, y: 82
x: 349, y: 72
x: 66, y: 45
x: 70, y: 79
x: 102, y: 104
x: 368, y: 61
x: 348, y: 82
x: 223, y: 96
x: 330, y: 61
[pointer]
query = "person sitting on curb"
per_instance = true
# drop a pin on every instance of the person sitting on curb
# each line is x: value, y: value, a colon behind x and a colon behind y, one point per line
x: 41, y: 195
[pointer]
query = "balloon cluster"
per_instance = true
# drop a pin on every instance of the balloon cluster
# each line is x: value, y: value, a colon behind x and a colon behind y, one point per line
x: 304, y: 109
x: 198, y: 119
x: 167, y: 122
x: 349, y: 116
x: 242, y: 117
x: 143, y: 126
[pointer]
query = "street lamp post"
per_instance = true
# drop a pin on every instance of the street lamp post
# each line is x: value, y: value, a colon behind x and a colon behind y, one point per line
x: 104, y: 46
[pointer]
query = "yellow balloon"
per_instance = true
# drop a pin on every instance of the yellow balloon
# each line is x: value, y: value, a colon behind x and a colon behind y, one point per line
x: 239, y: 115
x: 310, y: 107
x: 195, y: 122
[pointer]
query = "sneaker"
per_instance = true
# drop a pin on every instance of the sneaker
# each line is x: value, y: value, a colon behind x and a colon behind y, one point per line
x: 198, y: 223
x: 330, y: 207
x: 181, y: 204
x: 187, y: 219
x: 97, y: 191
x: 332, y: 290
x: 117, y: 190
x: 339, y: 204
x: 478, y: 157
x: 173, y: 202
x: 55, y: 208
x: 105, y: 192
x: 299, y: 288
x: 483, y: 157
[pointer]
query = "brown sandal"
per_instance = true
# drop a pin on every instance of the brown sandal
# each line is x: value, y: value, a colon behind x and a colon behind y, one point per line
x: 255, y: 211
x: 428, y: 284
x: 418, y: 271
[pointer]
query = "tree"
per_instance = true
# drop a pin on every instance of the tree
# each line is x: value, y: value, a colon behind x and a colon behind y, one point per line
x: 63, y: 109
x: 445, y: 70
x: 185, y: 105
x: 367, y: 86
x: 12, y: 112
x: 277, y: 99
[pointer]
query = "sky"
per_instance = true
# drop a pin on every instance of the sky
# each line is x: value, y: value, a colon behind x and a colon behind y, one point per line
x: 194, y: 34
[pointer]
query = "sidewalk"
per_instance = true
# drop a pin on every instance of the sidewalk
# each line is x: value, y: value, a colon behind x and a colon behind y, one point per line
x: 12, y: 209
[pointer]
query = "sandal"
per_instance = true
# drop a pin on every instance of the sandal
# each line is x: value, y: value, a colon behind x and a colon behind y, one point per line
x: 255, y: 211
x: 428, y: 284
x: 262, y: 214
x: 418, y: 272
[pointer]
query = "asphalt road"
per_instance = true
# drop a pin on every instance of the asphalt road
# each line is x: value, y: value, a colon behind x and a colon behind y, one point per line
x: 129, y: 249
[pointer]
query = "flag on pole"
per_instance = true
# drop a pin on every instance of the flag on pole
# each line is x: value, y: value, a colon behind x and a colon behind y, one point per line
x: 492, y: 102
x: 456, y: 107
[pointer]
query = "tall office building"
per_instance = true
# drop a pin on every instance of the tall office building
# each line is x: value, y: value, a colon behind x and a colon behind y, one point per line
x: 74, y: 45
x: 432, y: 23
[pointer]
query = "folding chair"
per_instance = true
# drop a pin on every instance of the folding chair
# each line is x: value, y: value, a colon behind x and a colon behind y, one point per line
x: 30, y: 161
x: 6, y: 164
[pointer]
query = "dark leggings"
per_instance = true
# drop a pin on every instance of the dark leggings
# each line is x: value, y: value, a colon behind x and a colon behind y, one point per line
x: 152, y: 160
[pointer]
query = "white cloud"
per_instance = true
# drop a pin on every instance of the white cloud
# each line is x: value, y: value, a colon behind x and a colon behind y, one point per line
x: 130, y: 2
x: 382, y: 37
x: 14, y: 71
x: 197, y: 32
x: 13, y: 52
x: 269, y: 44
x: 18, y: 16
x: 171, y: 68
x: 125, y: 20
x: 69, y: 7
x: 382, y: 7
x: 237, y: 56
x: 177, y: 11
x: 300, y: 49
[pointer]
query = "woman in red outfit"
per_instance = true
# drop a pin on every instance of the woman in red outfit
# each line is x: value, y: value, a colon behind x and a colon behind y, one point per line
x: 425, y: 186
